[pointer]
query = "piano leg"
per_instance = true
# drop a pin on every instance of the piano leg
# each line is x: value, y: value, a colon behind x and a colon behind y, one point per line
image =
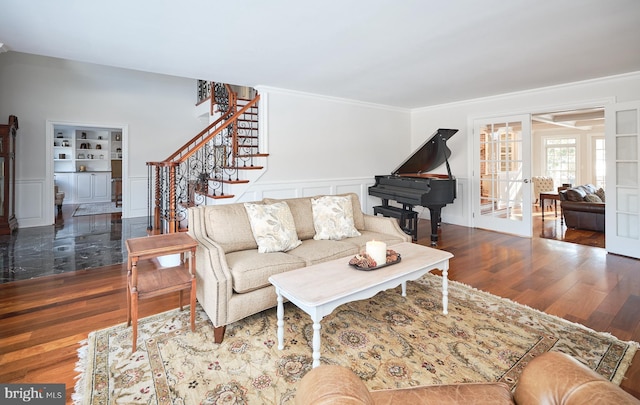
x: 435, y: 222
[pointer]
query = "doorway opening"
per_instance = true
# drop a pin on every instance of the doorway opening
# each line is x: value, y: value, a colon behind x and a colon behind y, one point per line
x: 568, y: 149
x: 87, y: 166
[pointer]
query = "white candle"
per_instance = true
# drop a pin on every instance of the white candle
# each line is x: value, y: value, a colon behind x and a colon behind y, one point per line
x: 378, y: 251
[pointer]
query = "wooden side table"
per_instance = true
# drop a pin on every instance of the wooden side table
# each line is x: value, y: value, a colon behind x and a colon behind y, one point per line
x: 117, y: 190
x: 555, y: 197
x: 162, y: 280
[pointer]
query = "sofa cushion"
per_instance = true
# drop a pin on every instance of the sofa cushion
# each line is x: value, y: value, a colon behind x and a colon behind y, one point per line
x: 333, y: 218
x: 302, y: 215
x: 317, y: 251
x: 358, y: 215
x: 272, y: 226
x: 592, y: 198
x: 580, y: 192
x: 575, y: 194
x: 251, y: 270
x: 229, y: 226
x: 600, y: 193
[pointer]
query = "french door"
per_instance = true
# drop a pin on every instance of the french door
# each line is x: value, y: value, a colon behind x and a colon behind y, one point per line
x: 501, y: 187
x: 622, y: 214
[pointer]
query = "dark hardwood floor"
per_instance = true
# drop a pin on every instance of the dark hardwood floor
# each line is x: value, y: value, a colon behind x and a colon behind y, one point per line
x: 44, y: 319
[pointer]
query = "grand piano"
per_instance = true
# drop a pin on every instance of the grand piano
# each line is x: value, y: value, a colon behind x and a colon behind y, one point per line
x: 410, y: 185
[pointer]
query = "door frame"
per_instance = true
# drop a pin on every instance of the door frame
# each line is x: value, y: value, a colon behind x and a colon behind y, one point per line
x: 49, y: 210
x: 471, y: 151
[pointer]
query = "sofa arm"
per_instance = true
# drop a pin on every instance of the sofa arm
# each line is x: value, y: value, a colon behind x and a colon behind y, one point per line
x: 214, y: 282
x: 386, y: 225
x: 330, y: 385
x: 556, y: 378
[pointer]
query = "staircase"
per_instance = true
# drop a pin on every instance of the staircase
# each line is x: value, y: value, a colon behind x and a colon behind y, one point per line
x: 216, y: 165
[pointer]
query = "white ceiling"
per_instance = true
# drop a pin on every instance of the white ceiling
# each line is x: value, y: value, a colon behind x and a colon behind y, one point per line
x: 399, y: 53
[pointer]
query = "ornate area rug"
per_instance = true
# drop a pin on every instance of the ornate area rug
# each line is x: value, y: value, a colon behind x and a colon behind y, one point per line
x: 388, y: 340
x: 96, y: 209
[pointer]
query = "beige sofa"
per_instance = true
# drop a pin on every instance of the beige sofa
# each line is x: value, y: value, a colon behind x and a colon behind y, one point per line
x: 232, y: 276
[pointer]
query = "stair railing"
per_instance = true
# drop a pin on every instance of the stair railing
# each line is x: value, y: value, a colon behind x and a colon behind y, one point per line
x: 200, y: 169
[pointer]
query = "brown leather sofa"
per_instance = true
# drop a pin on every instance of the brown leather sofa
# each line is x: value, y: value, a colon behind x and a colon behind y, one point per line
x: 551, y: 378
x: 578, y: 212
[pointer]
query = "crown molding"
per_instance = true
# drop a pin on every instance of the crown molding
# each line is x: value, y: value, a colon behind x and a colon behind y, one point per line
x: 538, y: 90
x: 272, y: 90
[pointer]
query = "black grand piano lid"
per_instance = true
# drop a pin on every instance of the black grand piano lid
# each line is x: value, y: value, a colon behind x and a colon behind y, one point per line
x: 431, y: 154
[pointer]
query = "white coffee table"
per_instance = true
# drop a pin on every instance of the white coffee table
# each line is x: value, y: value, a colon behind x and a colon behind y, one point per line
x: 321, y: 288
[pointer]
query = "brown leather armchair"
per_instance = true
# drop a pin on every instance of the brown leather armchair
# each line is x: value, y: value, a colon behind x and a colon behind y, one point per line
x: 578, y: 212
x: 551, y: 378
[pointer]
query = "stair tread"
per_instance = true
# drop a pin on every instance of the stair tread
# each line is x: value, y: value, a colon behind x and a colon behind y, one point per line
x: 215, y: 197
x: 254, y: 155
x: 226, y: 181
x: 234, y: 181
x: 244, y: 167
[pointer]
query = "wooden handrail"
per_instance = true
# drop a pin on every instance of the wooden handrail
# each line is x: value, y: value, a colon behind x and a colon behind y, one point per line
x: 230, y: 121
x: 193, y: 142
x: 195, y: 138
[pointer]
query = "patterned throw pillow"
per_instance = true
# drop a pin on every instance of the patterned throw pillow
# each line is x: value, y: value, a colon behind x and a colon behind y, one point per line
x: 600, y: 193
x: 592, y: 198
x: 272, y: 226
x: 333, y: 218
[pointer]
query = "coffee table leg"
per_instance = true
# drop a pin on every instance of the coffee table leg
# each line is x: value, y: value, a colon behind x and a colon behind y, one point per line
x: 280, y: 313
x: 404, y: 288
x: 316, y: 343
x: 445, y: 289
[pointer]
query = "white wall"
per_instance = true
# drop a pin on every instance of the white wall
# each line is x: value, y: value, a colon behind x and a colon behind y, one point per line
x: 312, y: 137
x: 323, y: 145
x: 158, y: 110
x: 460, y: 115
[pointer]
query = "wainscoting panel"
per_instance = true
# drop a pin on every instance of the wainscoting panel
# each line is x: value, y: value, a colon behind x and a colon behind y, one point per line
x: 135, y: 202
x: 311, y: 188
x: 30, y: 207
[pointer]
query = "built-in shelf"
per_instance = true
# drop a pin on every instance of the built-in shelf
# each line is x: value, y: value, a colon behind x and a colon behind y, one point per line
x: 82, y: 159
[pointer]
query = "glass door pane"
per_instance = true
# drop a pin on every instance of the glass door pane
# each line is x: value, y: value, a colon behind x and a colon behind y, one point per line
x: 503, y: 200
x: 622, y: 221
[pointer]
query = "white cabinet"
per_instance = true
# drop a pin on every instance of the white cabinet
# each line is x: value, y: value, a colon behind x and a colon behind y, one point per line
x: 93, y: 187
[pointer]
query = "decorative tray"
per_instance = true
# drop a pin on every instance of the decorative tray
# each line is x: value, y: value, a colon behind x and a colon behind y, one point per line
x: 365, y: 267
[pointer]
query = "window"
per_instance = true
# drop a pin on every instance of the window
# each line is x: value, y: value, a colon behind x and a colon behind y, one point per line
x: 560, y: 160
